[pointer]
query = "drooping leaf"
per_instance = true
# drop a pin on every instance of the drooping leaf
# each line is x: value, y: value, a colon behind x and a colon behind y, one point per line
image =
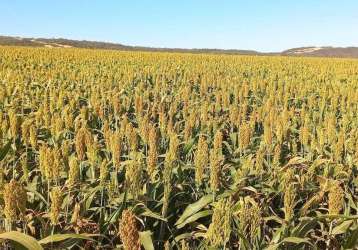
x: 295, y: 240
x: 295, y: 161
x: 195, y: 217
x: 24, y: 240
x: 342, y: 228
x: 304, y: 227
x: 61, y: 237
x: 149, y: 213
x: 146, y: 240
x: 195, y: 207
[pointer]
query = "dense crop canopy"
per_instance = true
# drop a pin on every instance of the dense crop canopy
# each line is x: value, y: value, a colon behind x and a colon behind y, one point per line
x: 177, y: 151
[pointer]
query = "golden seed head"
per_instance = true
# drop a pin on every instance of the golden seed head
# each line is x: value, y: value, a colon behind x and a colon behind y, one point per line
x: 74, y: 171
x: 250, y: 218
x: 244, y: 135
x: 56, y: 203
x: 169, y: 163
x: 144, y: 127
x: 103, y: 172
x: 215, y: 169
x: 170, y: 127
x: 304, y: 135
x: 51, y: 162
x: 286, y: 178
x: 335, y: 198
x: 153, y: 152
x: 267, y: 133
x: 289, y: 201
x: 75, y: 213
x: 132, y: 137
x: 259, y: 159
x: 172, y: 153
x: 33, y: 135
x: 201, y: 160
x: 280, y: 132
x: 14, y: 121
x: 277, y: 155
x: 219, y: 231
x: 66, y: 149
x: 57, y: 164
x: 24, y: 166
x: 128, y: 231
x: 15, y: 198
x: 116, y: 148
x: 68, y: 117
x: 189, y: 125
x: 92, y: 152
x: 233, y: 114
x: 133, y: 174
x: 218, y: 140
x: 56, y: 124
x: 43, y: 160
x: 138, y: 105
x: 107, y: 134
x: 338, y: 148
x: 124, y: 124
x: 83, y: 139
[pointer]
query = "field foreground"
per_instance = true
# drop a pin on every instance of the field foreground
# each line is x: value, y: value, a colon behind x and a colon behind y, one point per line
x: 113, y: 149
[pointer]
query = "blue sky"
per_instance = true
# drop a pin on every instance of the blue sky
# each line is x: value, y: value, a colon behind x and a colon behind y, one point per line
x: 264, y: 25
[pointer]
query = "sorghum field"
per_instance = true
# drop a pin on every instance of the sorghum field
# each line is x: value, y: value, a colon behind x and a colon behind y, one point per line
x: 130, y: 150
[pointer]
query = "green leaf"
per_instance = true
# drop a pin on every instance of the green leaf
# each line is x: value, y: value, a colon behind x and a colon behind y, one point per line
x: 342, y: 228
x: 149, y: 213
x: 246, y: 243
x: 352, y: 240
x: 195, y: 207
x: 338, y: 216
x: 146, y: 240
x: 61, y: 237
x: 183, y: 236
x: 274, y: 218
x: 24, y: 240
x: 89, y: 198
x: 295, y: 240
x: 4, y: 150
x: 195, y: 217
x: 189, y: 146
x: 32, y: 190
x: 277, y: 235
x: 304, y: 227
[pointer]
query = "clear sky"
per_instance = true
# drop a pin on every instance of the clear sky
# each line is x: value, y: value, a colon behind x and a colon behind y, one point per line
x: 264, y: 25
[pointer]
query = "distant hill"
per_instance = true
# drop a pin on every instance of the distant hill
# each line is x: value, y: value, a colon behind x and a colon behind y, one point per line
x: 349, y: 52
x: 68, y: 43
x: 323, y: 52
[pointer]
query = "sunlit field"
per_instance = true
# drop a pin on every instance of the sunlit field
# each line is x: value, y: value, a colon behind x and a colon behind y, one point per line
x: 134, y: 150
